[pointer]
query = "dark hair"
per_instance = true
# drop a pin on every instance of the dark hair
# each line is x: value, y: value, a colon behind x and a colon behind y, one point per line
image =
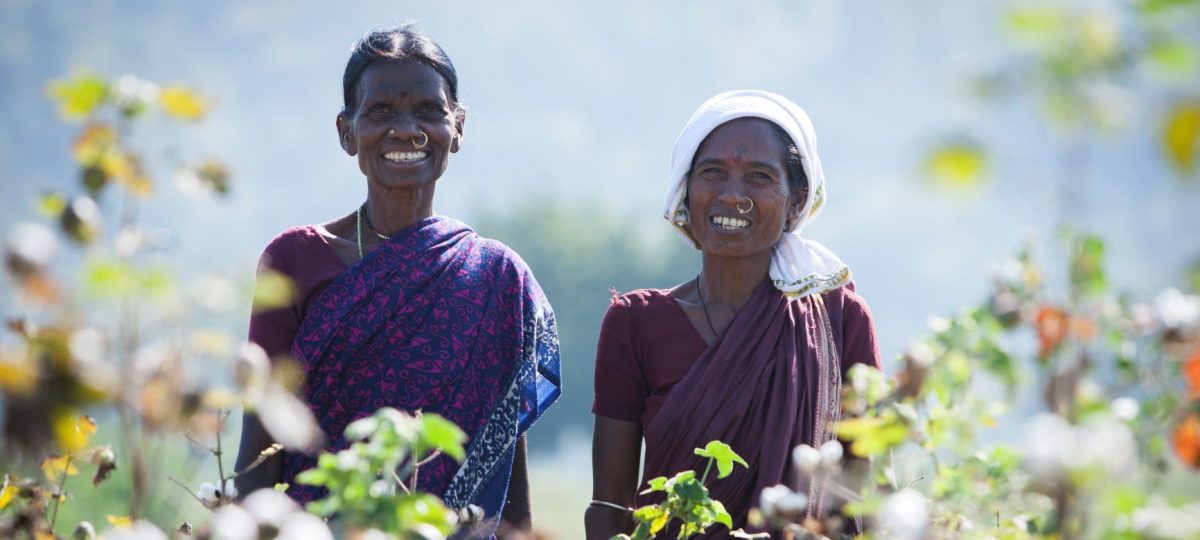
x: 403, y: 42
x: 793, y: 162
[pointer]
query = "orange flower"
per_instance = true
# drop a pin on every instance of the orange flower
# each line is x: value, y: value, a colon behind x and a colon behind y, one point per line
x: 1191, y: 374
x: 1052, y: 325
x: 1186, y: 441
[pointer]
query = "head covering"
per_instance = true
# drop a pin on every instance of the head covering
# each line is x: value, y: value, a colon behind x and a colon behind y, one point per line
x: 799, y: 267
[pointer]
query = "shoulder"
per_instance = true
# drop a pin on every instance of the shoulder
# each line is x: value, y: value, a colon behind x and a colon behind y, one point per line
x: 640, y: 301
x: 289, y: 246
x: 847, y: 301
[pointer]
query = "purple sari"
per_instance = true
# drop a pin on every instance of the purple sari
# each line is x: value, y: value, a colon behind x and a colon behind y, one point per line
x: 441, y: 320
x: 770, y: 382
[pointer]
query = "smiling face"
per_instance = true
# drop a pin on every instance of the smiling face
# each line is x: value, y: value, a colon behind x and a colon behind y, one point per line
x: 740, y: 159
x: 397, y: 101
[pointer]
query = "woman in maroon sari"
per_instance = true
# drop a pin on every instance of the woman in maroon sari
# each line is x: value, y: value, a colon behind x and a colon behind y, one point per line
x: 751, y: 352
x: 396, y: 306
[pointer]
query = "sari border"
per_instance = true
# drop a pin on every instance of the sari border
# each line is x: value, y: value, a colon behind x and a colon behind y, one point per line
x: 829, y: 398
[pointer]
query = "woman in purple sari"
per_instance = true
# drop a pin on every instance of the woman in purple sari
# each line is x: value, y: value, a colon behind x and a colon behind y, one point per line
x: 753, y: 351
x: 396, y: 306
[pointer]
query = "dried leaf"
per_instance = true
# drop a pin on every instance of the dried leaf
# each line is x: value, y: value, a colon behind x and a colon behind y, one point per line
x: 956, y: 165
x: 73, y: 432
x: 181, y: 102
x: 119, y: 521
x: 1181, y: 136
x: 55, y: 466
x: 7, y: 495
x: 1186, y: 441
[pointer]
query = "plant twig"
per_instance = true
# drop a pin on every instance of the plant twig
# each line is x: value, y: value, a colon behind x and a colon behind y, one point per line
x: 262, y: 456
x: 62, y: 485
x: 704, y: 477
x: 188, y: 490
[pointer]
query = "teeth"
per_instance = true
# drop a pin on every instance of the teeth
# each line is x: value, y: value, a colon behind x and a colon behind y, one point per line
x: 730, y: 224
x: 404, y: 157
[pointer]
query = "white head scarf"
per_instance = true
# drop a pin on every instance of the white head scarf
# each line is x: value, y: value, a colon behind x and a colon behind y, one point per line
x: 799, y: 267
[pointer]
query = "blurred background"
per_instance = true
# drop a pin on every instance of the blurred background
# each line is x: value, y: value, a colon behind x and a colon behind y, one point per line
x: 947, y: 135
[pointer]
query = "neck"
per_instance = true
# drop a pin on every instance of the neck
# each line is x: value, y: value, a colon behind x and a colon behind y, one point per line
x: 730, y: 282
x: 393, y: 209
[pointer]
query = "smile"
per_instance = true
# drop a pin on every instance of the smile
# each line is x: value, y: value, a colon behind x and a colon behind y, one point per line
x: 405, y: 157
x: 729, y: 223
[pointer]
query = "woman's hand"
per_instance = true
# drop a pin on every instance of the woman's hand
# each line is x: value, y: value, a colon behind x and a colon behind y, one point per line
x: 616, y: 451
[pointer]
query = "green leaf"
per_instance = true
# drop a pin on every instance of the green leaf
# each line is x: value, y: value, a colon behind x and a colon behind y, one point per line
x: 313, y: 477
x: 690, y: 490
x: 648, y: 513
x: 724, y: 456
x: 442, y: 434
x: 1175, y: 57
x: 362, y: 428
x: 1087, y: 264
x: 656, y: 484
x: 51, y: 204
x: 722, y: 516
x: 79, y: 96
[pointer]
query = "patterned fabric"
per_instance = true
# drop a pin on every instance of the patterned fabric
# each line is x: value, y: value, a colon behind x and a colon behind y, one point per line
x: 441, y: 320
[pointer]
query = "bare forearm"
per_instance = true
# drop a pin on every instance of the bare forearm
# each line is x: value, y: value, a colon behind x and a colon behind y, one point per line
x: 517, y: 515
x: 254, y: 440
x: 602, y: 523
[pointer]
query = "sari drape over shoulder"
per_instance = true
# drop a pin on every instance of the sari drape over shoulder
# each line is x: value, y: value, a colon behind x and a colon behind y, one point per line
x: 770, y: 382
x: 441, y: 320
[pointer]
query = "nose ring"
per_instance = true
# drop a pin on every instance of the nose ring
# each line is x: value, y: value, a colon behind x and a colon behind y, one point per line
x: 747, y: 210
x: 424, y: 141
x: 391, y: 133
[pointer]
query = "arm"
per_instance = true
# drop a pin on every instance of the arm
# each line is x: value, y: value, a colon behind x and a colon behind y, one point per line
x: 616, y: 450
x: 274, y: 330
x: 517, y: 517
x: 255, y: 439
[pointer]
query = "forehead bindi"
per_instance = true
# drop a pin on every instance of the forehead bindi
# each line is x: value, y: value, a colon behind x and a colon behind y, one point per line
x: 741, y: 142
x: 401, y: 80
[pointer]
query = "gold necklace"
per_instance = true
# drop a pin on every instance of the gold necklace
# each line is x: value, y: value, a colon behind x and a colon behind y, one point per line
x: 370, y: 225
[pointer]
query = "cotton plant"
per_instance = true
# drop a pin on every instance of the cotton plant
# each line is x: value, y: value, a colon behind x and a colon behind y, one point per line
x: 87, y: 339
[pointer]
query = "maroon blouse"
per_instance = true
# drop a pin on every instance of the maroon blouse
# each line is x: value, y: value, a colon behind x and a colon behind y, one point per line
x: 647, y: 344
x: 305, y: 257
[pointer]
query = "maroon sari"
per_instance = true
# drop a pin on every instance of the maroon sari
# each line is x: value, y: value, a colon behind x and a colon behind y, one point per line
x: 770, y: 382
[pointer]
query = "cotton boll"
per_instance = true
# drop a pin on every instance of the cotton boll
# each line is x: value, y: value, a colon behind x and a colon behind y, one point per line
x: 288, y: 420
x: 807, y: 459
x: 208, y: 495
x: 1125, y: 408
x: 230, y: 492
x: 139, y: 530
x: 780, y: 502
x: 1176, y: 310
x: 905, y: 515
x: 270, y: 507
x: 831, y: 454
x: 304, y: 526
x: 232, y: 522
x: 1050, y: 445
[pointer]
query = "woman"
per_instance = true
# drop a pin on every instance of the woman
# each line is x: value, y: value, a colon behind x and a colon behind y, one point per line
x: 397, y: 306
x: 753, y: 350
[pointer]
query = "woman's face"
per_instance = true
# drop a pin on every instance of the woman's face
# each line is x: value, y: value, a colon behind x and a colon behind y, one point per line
x: 397, y: 100
x: 741, y: 159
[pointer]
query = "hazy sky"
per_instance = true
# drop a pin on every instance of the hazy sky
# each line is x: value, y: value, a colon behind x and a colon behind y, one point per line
x: 583, y: 100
